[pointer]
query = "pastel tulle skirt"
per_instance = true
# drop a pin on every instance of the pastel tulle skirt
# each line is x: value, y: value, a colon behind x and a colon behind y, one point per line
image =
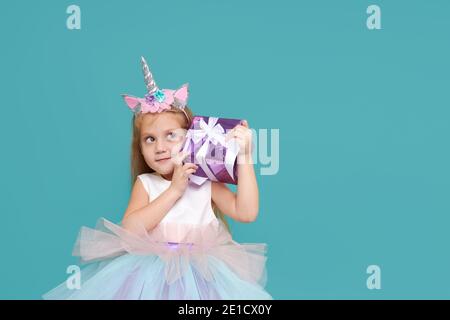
x: 203, y: 263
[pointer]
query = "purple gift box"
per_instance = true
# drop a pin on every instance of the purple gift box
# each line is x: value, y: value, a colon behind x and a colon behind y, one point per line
x: 206, y: 145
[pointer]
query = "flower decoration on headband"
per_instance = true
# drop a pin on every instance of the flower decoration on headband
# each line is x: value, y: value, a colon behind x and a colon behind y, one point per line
x: 157, y: 100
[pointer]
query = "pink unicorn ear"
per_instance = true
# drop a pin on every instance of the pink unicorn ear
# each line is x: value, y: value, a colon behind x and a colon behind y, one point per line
x: 132, y: 102
x: 182, y: 94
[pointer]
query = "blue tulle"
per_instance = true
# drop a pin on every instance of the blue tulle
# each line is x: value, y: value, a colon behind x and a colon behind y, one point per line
x: 137, y: 277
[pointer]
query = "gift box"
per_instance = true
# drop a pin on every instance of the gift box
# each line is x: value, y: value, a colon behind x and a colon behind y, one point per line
x: 206, y: 145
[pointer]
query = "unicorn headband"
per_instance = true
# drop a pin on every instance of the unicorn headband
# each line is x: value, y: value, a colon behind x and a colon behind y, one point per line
x: 157, y: 100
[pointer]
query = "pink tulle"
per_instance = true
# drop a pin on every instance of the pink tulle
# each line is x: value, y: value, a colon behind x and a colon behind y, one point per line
x: 178, y: 245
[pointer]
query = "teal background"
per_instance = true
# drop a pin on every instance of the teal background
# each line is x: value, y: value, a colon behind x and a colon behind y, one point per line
x: 363, y: 118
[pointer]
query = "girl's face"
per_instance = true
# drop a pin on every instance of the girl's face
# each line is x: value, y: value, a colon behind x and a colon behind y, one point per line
x: 162, y: 136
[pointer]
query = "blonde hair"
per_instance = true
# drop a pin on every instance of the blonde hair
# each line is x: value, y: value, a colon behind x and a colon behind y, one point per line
x: 138, y: 164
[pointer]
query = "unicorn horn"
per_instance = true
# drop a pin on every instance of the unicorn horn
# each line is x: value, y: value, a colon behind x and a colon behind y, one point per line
x: 149, y: 81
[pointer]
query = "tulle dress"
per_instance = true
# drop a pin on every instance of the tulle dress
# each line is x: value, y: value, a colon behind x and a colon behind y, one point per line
x: 190, y: 255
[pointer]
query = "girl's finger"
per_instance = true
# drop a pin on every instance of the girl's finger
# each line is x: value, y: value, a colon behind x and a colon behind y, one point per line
x: 180, y: 157
x: 242, y: 129
x: 177, y: 158
x: 189, y: 172
x: 229, y: 135
x: 190, y: 165
x: 243, y: 125
x: 239, y: 133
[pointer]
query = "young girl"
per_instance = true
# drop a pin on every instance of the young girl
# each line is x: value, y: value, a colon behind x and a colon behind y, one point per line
x: 171, y: 243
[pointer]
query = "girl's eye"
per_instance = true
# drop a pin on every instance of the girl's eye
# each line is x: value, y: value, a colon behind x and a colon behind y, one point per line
x: 172, y: 136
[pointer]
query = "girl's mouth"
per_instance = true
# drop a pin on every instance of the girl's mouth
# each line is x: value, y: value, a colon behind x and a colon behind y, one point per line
x: 162, y: 160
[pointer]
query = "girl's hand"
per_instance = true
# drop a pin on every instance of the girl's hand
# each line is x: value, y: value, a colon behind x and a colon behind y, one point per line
x: 181, y: 173
x: 243, y: 135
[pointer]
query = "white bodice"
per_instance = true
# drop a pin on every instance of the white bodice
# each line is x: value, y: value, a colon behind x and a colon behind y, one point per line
x: 193, y: 208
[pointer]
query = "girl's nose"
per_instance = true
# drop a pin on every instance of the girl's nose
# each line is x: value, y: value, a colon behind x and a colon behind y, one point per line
x: 160, y: 146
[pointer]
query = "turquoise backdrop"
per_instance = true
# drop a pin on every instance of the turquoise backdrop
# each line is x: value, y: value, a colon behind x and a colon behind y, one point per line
x: 363, y: 117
